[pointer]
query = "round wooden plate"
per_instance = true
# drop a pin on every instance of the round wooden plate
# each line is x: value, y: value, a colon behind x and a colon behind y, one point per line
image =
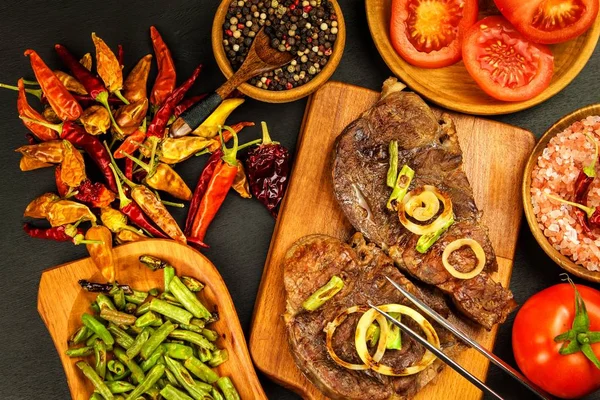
x: 61, y: 302
x: 453, y: 88
x: 563, y: 261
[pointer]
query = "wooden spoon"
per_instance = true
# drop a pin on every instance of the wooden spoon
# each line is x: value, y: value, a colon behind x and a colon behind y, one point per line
x: 261, y: 58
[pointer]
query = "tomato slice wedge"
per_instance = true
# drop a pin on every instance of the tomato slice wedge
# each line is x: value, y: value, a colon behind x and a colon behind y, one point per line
x: 428, y: 33
x: 504, y: 64
x: 549, y: 21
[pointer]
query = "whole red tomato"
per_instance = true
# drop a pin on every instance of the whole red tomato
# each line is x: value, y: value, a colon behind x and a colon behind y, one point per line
x: 542, y: 318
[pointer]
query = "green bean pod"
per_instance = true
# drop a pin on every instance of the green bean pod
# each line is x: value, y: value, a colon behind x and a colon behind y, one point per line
x: 100, y: 357
x: 118, y: 297
x: 185, y: 379
x: 130, y: 308
x: 192, y: 284
x: 95, y: 379
x: 153, y: 376
x: 191, y: 327
x: 171, y: 393
x: 168, y: 310
x: 81, y: 335
x: 200, y: 370
x: 226, y: 386
x: 121, y: 337
x: 136, y: 297
x: 219, y: 356
x: 136, y: 372
x: 97, y: 396
x: 150, y: 318
x: 80, y: 351
x: 143, y: 309
x: 178, y: 351
x: 188, y: 299
x: 116, y: 367
x: 95, y: 326
x: 171, y: 378
x: 139, y: 341
x: 204, y: 354
x: 154, y: 292
x: 146, y: 365
x: 168, y: 274
x: 104, y: 301
x: 117, y: 317
x: 117, y: 387
x: 91, y: 340
x: 154, y: 263
x: 192, y: 337
x: 210, y: 334
x: 216, y: 395
x: 159, y: 336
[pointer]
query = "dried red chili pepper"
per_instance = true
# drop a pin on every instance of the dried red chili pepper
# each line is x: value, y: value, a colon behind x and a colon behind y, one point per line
x: 162, y: 116
x: 268, y: 167
x: 95, y: 194
x: 187, y: 103
x: 91, y: 82
x: 61, y: 187
x: 203, y: 180
x: 25, y: 110
x: 166, y: 78
x: 220, y: 182
x: 60, y: 99
x: 131, y: 144
x: 134, y: 87
x: 129, y: 169
x: 63, y: 233
x: 240, y: 184
x: 120, y: 55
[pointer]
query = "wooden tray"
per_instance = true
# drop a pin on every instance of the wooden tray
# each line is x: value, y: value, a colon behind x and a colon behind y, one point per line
x: 495, y: 155
x: 61, y: 302
x: 453, y: 88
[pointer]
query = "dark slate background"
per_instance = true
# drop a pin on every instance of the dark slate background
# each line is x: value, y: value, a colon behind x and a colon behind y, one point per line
x: 240, y: 235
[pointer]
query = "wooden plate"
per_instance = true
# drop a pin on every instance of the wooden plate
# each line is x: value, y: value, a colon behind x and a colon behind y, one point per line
x: 281, y: 96
x: 563, y: 261
x: 61, y: 302
x: 453, y: 88
x: 490, y: 149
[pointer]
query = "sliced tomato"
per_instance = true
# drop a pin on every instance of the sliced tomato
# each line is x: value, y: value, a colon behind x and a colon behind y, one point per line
x: 504, y: 64
x: 428, y: 33
x: 549, y: 21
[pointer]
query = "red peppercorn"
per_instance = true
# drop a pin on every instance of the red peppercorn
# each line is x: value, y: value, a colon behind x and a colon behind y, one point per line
x: 307, y: 9
x: 292, y: 7
x: 228, y: 32
x: 241, y: 26
x: 268, y: 82
x: 309, y: 40
x: 288, y: 85
x: 328, y: 51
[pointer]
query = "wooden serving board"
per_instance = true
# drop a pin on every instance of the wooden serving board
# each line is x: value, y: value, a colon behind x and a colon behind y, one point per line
x: 61, y: 302
x: 495, y: 155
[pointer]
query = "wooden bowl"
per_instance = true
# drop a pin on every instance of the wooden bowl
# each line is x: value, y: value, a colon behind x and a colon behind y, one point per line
x: 282, y: 96
x: 61, y: 302
x: 453, y: 88
x: 563, y: 261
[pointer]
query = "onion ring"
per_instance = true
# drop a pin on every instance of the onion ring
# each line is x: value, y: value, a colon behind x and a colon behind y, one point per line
x: 457, y: 244
x: 423, y: 206
x: 331, y: 327
x: 439, y: 222
x: 361, y: 344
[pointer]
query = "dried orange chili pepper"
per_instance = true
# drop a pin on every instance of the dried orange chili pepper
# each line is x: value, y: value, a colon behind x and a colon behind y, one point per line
x: 95, y: 120
x: 109, y: 68
x: 166, y: 78
x: 86, y: 61
x: 48, y: 152
x: 30, y: 164
x: 216, y: 191
x: 128, y: 236
x: 134, y: 87
x: 38, y: 207
x: 60, y: 99
x: 72, y: 84
x: 72, y: 166
x: 132, y: 142
x: 63, y: 212
x: 130, y: 116
x: 240, y: 183
x: 25, y: 110
x: 101, y: 253
x: 175, y: 150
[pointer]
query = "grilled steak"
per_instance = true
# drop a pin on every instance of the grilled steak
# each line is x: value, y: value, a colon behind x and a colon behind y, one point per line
x: 430, y: 147
x: 309, y: 264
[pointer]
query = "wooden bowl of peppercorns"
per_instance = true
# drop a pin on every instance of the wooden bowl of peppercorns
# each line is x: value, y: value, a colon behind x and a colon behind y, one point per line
x: 314, y: 30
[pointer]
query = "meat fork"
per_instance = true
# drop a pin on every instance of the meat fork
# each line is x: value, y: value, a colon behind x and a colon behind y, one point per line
x: 466, y: 339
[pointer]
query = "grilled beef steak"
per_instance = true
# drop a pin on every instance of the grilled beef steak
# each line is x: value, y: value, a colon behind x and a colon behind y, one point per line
x: 309, y: 264
x: 430, y: 147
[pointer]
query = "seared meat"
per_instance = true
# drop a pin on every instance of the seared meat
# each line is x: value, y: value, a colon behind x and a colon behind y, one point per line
x: 430, y: 147
x: 308, y: 265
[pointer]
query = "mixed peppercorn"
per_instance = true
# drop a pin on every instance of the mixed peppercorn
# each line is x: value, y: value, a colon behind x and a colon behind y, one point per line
x: 87, y: 110
x: 306, y: 28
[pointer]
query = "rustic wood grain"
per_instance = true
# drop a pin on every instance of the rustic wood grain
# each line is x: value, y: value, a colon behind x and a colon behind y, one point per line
x: 61, y: 302
x: 452, y: 87
x: 494, y: 154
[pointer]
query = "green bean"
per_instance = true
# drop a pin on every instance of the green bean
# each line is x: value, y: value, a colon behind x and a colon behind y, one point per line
x: 153, y: 392
x: 81, y: 335
x: 198, y: 322
x: 96, y: 396
x: 117, y: 387
x: 91, y: 340
x: 204, y: 354
x: 392, y: 173
x: 216, y: 395
x: 159, y: 336
x: 185, y: 379
x: 210, y: 334
x: 168, y: 273
x: 169, y: 298
x: 191, y: 327
x: 104, y: 301
x: 121, y: 337
x: 130, y: 308
x: 153, y: 359
x: 118, y: 297
x: 110, y: 377
x: 117, y: 317
x: 95, y: 379
x: 154, y: 292
x: 136, y: 372
x: 171, y: 311
x: 100, y: 356
x: 143, y: 309
x: 218, y: 357
x: 188, y: 299
x: 171, y: 378
x: 201, y: 371
x: 178, y: 351
x: 116, y: 367
x: 192, y: 284
x: 154, y: 263
x: 95, y: 326
x: 148, y: 319
x: 80, y: 351
x: 192, y: 337
x: 121, y: 376
x: 171, y: 393
x: 226, y: 386
x: 137, y: 297
x: 95, y: 307
x: 153, y: 376
x: 134, y: 330
x: 139, y: 341
x: 323, y: 294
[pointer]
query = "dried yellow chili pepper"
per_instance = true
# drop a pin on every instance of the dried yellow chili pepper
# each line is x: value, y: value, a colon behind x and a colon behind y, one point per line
x: 72, y: 84
x: 129, y: 117
x: 48, y: 152
x: 63, y: 212
x: 175, y: 150
x: 29, y: 164
x: 210, y: 127
x: 72, y: 168
x: 108, y: 67
x: 95, y: 120
x: 38, y: 207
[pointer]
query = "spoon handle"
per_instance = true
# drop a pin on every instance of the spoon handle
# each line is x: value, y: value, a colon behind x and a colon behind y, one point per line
x: 194, y: 116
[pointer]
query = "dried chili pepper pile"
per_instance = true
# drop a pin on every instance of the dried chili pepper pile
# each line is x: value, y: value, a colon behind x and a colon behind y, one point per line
x: 124, y: 129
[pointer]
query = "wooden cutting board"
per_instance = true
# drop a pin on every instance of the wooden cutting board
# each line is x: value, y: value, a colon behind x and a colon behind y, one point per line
x: 495, y: 155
